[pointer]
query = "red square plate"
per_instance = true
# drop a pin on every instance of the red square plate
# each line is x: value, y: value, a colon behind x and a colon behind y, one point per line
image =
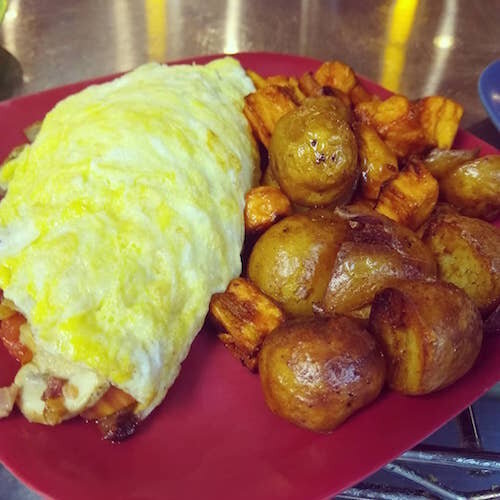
x: 214, y: 437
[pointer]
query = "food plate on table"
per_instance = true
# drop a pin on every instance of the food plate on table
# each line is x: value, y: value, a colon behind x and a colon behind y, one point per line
x: 214, y: 436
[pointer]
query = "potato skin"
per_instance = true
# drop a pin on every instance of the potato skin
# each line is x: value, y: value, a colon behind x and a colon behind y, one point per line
x: 292, y: 261
x: 474, y: 188
x: 316, y: 372
x: 439, y: 162
x: 467, y: 252
x: 313, y: 153
x: 430, y: 333
x: 378, y: 253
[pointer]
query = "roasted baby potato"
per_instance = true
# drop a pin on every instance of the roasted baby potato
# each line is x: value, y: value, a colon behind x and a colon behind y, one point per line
x: 264, y: 205
x: 378, y: 162
x: 430, y: 333
x: 378, y: 253
x: 441, y: 161
x: 474, y: 187
x: 360, y: 271
x: 313, y: 153
x: 292, y: 261
x: 467, y: 252
x: 316, y: 372
x: 368, y: 226
x: 410, y: 197
x: 246, y: 316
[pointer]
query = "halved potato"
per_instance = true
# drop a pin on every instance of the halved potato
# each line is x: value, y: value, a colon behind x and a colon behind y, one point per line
x: 379, y: 253
x: 292, y: 261
x: 430, y: 333
x: 467, y: 252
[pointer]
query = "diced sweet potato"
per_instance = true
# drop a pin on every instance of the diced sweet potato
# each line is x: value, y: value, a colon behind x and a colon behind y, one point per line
x: 289, y: 82
x: 265, y: 205
x: 258, y: 80
x: 265, y: 107
x: 248, y: 359
x: 336, y: 75
x: 309, y: 86
x: 359, y: 94
x: 378, y: 162
x: 396, y: 121
x: 409, y: 198
x: 248, y: 316
x: 440, y: 118
x: 410, y: 127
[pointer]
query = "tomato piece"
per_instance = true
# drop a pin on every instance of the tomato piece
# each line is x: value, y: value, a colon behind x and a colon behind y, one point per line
x: 9, y: 333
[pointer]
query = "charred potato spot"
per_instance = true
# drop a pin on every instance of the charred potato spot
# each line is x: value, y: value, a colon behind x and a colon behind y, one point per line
x: 317, y: 372
x: 292, y: 261
x: 430, y: 333
x: 313, y: 153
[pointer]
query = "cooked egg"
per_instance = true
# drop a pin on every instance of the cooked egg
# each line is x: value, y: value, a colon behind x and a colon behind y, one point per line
x: 122, y: 219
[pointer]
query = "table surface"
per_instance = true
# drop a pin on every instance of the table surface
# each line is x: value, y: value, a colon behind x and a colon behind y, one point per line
x: 409, y: 46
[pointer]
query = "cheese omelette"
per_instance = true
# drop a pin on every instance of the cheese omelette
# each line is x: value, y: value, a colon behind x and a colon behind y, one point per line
x: 119, y: 222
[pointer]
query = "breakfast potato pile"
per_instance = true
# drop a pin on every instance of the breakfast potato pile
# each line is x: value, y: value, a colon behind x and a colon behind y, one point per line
x: 365, y: 262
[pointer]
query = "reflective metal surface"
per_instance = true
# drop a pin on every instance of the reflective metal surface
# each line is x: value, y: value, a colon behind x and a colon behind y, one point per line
x: 416, y: 47
x: 410, y: 46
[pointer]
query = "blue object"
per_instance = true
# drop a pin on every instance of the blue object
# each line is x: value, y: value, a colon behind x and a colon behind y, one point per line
x: 489, y: 91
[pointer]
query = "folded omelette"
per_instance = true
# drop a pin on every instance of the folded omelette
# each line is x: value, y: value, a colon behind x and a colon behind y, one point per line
x: 119, y: 222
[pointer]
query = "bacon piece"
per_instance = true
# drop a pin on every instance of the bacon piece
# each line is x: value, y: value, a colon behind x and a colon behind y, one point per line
x: 118, y: 426
x: 114, y: 414
x: 8, y: 397
x: 9, y: 333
